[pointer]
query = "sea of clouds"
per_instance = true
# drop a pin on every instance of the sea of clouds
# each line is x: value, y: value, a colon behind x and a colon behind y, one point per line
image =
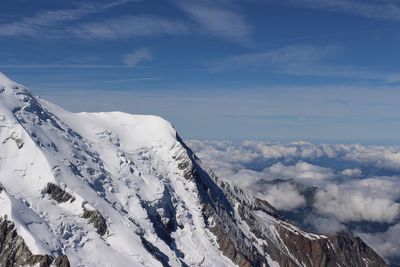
x: 323, y: 188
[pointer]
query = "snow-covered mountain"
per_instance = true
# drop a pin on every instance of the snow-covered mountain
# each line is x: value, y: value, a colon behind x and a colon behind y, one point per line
x: 113, y: 189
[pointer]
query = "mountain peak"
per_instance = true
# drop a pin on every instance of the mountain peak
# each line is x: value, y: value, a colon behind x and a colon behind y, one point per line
x: 114, y: 189
x: 13, y: 96
x: 5, y: 81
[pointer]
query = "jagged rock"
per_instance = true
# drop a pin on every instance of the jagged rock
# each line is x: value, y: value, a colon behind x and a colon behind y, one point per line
x: 95, y: 218
x: 57, y: 193
x: 14, y: 251
x: 61, y: 261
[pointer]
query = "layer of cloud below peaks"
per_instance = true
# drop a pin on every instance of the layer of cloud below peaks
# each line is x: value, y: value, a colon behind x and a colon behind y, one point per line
x: 352, y: 184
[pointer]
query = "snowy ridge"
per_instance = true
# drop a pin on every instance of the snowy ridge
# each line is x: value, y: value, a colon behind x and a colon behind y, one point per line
x: 5, y: 81
x: 114, y: 189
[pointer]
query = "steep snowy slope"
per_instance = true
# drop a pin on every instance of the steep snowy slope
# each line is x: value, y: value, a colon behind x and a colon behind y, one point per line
x: 113, y: 189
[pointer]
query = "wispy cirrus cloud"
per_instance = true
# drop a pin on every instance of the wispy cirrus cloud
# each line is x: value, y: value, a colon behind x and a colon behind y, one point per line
x: 60, y: 66
x: 301, y: 60
x: 206, y: 18
x: 218, y: 21
x: 47, y: 23
x: 386, y: 10
x: 287, y: 59
x: 139, y: 55
x: 130, y: 26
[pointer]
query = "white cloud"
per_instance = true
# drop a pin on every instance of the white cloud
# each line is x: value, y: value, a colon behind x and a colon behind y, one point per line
x: 385, y: 157
x: 276, y: 152
x: 218, y: 21
x: 387, y: 243
x: 381, y: 186
x: 357, y: 184
x: 130, y: 26
x: 353, y: 206
x: 247, y: 179
x: 138, y: 56
x: 351, y: 172
x: 283, y: 196
x: 301, y: 171
x: 326, y: 225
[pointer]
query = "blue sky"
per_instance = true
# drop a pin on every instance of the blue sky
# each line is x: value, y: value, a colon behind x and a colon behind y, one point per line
x: 316, y: 70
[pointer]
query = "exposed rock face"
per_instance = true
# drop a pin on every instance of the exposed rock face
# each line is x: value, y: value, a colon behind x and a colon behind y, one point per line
x: 95, y: 218
x: 61, y: 261
x: 57, y: 193
x: 341, y: 249
x: 274, y: 242
x: 14, y: 252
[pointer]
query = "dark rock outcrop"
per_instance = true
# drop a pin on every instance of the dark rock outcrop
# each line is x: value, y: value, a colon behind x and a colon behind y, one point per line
x: 57, y: 193
x: 61, y: 261
x: 95, y: 218
x: 18, y: 141
x: 14, y: 251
